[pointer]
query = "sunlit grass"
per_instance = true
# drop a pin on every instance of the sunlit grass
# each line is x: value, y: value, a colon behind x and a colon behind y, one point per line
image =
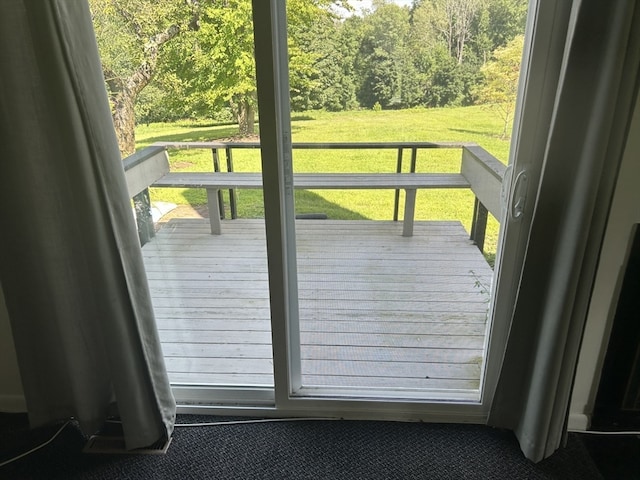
x: 466, y: 124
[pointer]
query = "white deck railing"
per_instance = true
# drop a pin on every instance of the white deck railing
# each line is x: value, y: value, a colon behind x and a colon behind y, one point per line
x: 482, y: 172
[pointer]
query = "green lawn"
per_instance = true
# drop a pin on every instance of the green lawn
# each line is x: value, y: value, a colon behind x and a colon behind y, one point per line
x: 465, y: 124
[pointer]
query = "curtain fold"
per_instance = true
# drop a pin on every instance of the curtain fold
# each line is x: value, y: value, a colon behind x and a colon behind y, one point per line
x: 584, y: 147
x: 70, y: 262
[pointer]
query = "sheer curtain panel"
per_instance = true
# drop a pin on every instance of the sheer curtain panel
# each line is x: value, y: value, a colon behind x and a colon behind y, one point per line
x: 70, y: 262
x: 593, y: 106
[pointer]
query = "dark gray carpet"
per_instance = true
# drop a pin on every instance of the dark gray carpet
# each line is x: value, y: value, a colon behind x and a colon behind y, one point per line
x: 298, y: 450
x: 617, y: 457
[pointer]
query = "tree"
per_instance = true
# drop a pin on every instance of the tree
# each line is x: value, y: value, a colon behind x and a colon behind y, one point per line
x: 507, y: 19
x: 380, y: 84
x: 497, y: 22
x: 444, y: 64
x: 500, y: 87
x: 445, y: 85
x: 321, y: 64
x: 219, y: 64
x: 380, y: 60
x: 464, y: 12
x: 216, y: 64
x: 454, y: 20
x: 131, y: 35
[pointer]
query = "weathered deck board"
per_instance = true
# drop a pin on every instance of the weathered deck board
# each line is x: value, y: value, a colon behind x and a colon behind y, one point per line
x: 347, y: 339
x: 376, y: 309
x: 401, y: 327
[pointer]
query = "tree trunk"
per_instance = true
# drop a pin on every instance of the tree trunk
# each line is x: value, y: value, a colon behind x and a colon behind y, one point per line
x: 124, y: 122
x: 505, y: 130
x: 246, y: 117
x: 460, y: 50
x: 123, y: 92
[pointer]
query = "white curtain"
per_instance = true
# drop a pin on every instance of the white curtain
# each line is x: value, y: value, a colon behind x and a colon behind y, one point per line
x: 593, y: 103
x: 70, y: 262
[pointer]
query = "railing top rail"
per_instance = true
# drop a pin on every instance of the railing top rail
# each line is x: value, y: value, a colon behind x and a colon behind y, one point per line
x: 319, y: 145
x: 494, y: 166
x: 141, y: 155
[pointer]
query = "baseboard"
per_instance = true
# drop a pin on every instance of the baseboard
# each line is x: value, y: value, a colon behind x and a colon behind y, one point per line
x: 13, y: 403
x: 578, y: 422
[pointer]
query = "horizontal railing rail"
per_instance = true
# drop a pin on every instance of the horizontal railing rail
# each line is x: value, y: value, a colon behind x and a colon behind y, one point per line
x: 319, y: 145
x: 483, y: 172
x: 228, y: 147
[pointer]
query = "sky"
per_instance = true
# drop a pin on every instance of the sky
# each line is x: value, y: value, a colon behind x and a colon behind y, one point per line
x: 360, y: 5
x: 367, y: 3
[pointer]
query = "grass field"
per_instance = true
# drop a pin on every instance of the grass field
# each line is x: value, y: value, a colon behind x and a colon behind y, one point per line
x: 465, y: 124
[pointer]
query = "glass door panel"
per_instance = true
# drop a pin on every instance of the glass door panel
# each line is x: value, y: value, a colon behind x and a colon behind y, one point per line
x: 208, y: 279
x: 210, y: 296
x: 394, y: 277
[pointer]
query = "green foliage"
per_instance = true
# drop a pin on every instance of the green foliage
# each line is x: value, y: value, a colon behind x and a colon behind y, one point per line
x: 445, y: 86
x: 428, y: 55
x: 500, y: 85
x: 431, y: 54
x: 302, y: 78
x: 215, y: 65
x: 124, y: 26
x: 381, y: 83
x: 321, y: 66
x: 507, y: 20
x: 381, y: 56
x: 131, y: 37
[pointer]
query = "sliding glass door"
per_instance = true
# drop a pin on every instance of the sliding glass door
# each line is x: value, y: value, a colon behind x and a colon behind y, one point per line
x: 379, y: 307
x: 372, y: 316
x: 210, y: 287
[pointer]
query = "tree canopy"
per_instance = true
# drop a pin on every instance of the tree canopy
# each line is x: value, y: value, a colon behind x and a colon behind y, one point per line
x: 195, y: 57
x: 500, y: 87
x: 130, y: 36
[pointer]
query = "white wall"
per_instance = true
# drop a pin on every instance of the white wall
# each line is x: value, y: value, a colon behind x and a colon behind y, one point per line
x: 11, y: 394
x: 625, y: 212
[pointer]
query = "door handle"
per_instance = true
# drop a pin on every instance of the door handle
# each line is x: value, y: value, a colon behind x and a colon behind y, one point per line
x: 505, y: 190
x: 518, y: 199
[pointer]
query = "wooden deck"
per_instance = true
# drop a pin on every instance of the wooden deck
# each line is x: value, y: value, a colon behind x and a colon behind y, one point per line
x: 377, y: 309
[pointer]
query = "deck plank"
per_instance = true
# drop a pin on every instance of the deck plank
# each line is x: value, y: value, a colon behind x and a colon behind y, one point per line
x: 377, y: 310
x: 413, y: 340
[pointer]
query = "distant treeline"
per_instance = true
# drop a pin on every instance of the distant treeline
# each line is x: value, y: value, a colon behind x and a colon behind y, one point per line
x: 431, y: 54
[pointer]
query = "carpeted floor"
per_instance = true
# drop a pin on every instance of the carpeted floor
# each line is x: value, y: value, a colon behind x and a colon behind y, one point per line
x: 297, y: 450
x: 617, y: 457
